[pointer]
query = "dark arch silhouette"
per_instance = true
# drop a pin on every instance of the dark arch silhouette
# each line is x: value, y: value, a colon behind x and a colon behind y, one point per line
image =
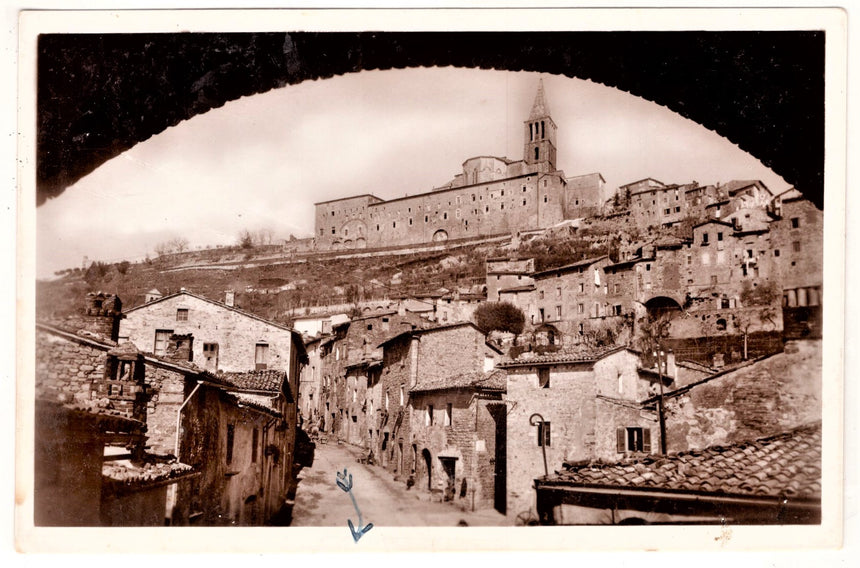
x: 99, y: 94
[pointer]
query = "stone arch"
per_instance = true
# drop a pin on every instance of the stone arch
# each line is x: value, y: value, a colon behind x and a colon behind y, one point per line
x: 360, y: 243
x: 440, y: 236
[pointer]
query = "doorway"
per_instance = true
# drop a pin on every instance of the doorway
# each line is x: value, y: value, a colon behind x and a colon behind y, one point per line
x: 428, y: 468
x: 449, y: 467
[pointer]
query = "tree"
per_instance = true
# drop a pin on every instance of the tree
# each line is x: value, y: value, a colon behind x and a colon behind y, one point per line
x: 246, y: 239
x: 500, y: 316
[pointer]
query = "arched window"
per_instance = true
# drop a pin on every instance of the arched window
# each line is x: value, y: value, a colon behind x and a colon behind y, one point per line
x: 542, y: 131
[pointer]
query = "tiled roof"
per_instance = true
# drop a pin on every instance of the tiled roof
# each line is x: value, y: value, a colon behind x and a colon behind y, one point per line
x: 785, y: 465
x: 122, y: 474
x: 100, y: 411
x: 584, y: 262
x: 268, y: 380
x: 558, y: 357
x: 525, y: 288
x: 259, y: 402
x: 495, y: 380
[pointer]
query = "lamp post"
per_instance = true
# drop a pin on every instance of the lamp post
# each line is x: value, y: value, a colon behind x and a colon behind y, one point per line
x: 661, y: 358
x: 537, y: 420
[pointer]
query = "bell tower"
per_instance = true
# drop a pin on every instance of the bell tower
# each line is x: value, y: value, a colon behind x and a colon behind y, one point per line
x: 539, y: 135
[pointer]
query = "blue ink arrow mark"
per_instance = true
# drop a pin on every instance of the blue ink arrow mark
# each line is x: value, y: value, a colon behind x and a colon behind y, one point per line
x: 344, y: 481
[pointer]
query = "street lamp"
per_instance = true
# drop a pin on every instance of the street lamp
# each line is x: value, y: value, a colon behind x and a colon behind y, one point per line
x: 661, y: 359
x: 537, y: 420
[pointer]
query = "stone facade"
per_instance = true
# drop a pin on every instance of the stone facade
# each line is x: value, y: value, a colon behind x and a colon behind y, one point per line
x: 764, y: 398
x: 507, y: 273
x: 491, y: 196
x: 223, y: 337
x: 454, y: 445
x: 585, y: 400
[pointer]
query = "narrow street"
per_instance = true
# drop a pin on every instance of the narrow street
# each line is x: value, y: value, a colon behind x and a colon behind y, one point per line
x: 384, y: 502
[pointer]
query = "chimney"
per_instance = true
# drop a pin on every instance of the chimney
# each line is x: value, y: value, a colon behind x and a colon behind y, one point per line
x: 100, y: 315
x: 671, y: 369
x: 179, y: 347
x: 230, y: 298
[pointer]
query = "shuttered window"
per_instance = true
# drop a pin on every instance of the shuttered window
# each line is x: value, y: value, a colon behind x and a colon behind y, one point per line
x: 633, y: 440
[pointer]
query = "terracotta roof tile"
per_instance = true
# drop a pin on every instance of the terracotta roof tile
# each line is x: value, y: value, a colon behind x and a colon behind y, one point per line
x: 267, y: 380
x: 496, y: 380
x: 787, y: 464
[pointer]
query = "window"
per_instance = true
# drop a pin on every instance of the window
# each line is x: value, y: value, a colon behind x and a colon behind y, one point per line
x: 648, y: 267
x: 261, y: 356
x: 333, y: 231
x: 449, y: 414
x: 540, y: 294
x: 713, y: 279
x: 776, y: 252
x: 795, y: 222
x: 544, y: 198
x: 581, y: 287
x: 540, y: 311
x: 558, y: 312
x: 704, y: 238
x: 425, y: 218
x: 795, y: 246
x: 182, y: 314
x: 231, y: 432
x: 558, y: 292
x: 615, y: 288
x: 402, y: 397
x: 162, y: 336
x: 616, y: 310
x: 719, y: 236
x: 394, y: 224
x: 543, y: 377
x: 543, y: 434
x: 445, y: 215
x: 255, y: 439
x: 633, y: 440
x: 581, y: 329
x: 580, y: 308
x: 210, y: 356
x: 429, y: 419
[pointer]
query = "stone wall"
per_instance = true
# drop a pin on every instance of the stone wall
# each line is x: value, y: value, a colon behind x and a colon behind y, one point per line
x: 68, y: 369
x: 165, y: 393
x: 497, y: 206
x: 236, y: 333
x: 582, y: 425
x: 762, y: 399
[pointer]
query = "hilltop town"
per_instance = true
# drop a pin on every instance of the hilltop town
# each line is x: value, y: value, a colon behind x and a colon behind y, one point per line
x: 516, y: 346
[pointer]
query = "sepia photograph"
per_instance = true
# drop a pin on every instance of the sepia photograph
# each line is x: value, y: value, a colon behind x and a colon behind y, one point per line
x: 309, y: 275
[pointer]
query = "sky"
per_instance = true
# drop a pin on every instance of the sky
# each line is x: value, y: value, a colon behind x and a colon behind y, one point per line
x: 261, y: 162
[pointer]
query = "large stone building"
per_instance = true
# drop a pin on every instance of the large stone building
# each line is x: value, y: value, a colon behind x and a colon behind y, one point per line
x: 491, y: 196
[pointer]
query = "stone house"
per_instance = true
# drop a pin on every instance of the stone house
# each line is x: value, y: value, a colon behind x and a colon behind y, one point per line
x: 761, y: 398
x: 310, y: 385
x: 569, y: 296
x: 569, y: 407
x: 458, y: 438
x: 798, y: 253
x: 222, y: 337
x: 774, y: 480
x: 746, y: 442
x: 165, y: 396
x: 507, y: 273
x: 409, y: 358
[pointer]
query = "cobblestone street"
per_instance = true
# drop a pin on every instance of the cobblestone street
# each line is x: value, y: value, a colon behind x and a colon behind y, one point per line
x: 383, y: 501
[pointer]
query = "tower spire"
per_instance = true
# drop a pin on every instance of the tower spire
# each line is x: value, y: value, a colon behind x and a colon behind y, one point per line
x: 540, y: 108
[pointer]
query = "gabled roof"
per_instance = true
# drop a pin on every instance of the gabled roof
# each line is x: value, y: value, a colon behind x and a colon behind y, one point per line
x: 525, y: 288
x: 296, y: 335
x: 565, y: 268
x: 529, y: 359
x: 492, y: 381
x: 714, y: 221
x: 736, y: 185
x: 422, y: 331
x: 788, y: 464
x: 640, y: 181
x: 269, y: 380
